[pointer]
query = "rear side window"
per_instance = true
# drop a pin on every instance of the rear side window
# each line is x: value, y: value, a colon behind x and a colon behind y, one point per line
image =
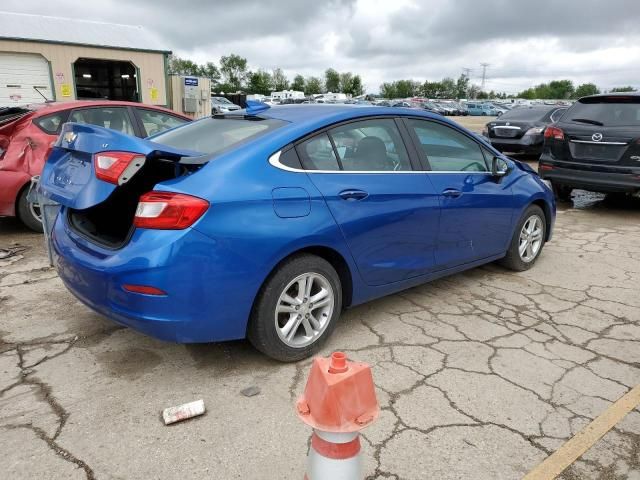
x: 50, y: 123
x: 215, y: 135
x: 317, y: 154
x: 605, y: 111
x: 446, y: 149
x: 107, y: 117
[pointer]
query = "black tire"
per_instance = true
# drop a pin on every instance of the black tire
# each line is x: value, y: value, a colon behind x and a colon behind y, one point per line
x: 26, y: 214
x: 262, y: 332
x: 513, y: 260
x: 562, y: 192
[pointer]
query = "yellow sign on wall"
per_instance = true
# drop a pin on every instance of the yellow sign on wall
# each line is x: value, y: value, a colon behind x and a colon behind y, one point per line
x: 65, y: 89
x: 153, y: 93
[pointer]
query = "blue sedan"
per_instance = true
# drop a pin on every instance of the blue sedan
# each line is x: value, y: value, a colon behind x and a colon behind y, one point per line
x: 267, y: 222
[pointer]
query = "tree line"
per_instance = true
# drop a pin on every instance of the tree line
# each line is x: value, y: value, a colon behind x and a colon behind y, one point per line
x: 233, y: 75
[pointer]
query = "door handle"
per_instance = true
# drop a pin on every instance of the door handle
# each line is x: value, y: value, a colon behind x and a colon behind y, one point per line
x: 352, y: 195
x: 451, y: 192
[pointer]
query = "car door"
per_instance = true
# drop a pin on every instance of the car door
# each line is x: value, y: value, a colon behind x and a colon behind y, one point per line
x: 114, y: 118
x: 476, y: 208
x: 152, y: 122
x: 386, y: 210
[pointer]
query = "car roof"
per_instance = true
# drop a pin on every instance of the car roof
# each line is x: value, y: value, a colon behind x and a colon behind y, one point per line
x: 329, y: 113
x: 52, y: 107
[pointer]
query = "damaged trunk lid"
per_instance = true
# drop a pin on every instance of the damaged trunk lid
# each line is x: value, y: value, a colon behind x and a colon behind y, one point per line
x: 88, y: 163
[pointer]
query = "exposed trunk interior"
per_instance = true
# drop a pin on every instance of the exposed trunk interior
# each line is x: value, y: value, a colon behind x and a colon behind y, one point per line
x: 110, y: 223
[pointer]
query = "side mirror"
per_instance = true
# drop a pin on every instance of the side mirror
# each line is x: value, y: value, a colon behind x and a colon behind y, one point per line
x: 499, y: 168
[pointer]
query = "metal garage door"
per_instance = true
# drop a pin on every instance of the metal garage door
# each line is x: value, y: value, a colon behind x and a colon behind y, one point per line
x: 19, y: 73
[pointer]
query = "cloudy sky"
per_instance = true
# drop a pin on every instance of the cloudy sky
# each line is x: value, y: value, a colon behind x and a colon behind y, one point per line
x: 525, y: 42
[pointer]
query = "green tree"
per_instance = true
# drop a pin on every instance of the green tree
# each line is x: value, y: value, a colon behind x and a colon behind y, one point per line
x: 332, y: 80
x: 259, y: 82
x: 313, y: 86
x: 585, y: 89
x: 431, y: 89
x: 357, y: 88
x: 180, y: 66
x: 623, y: 89
x: 462, y: 86
x: 234, y: 71
x: 279, y: 80
x: 388, y: 90
x: 560, y: 89
x: 298, y: 83
x: 449, y: 89
x: 407, y: 88
x: 210, y: 71
x: 346, y: 79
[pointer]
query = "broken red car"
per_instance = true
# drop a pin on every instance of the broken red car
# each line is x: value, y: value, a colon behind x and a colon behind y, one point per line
x: 28, y: 132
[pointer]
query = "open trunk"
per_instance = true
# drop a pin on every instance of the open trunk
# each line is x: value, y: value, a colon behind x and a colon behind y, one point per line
x: 103, y: 208
x: 110, y: 223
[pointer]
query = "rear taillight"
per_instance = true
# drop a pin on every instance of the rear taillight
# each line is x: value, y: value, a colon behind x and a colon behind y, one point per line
x: 117, y: 167
x: 554, y: 132
x: 542, y: 167
x: 168, y: 211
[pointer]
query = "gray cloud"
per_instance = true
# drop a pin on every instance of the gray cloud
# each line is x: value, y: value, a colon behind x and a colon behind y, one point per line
x: 525, y: 42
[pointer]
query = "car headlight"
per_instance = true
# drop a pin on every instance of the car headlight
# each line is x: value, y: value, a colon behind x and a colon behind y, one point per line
x: 534, y: 131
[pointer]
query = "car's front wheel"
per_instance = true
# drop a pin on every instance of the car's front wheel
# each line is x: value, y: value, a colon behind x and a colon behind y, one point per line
x: 296, y: 309
x: 528, y: 240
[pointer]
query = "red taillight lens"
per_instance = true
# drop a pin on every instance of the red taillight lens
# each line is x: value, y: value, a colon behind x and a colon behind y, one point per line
x: 168, y: 211
x: 144, y: 289
x: 117, y: 167
x: 554, y: 132
x: 545, y: 167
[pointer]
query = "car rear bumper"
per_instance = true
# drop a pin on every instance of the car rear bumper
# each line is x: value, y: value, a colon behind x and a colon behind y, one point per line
x: 527, y: 144
x: 205, y: 300
x: 593, y: 180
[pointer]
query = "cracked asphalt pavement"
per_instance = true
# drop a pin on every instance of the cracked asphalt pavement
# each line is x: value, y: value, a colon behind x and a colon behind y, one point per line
x: 480, y: 375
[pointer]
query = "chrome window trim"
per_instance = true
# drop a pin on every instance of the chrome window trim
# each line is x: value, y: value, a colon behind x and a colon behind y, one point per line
x: 598, y: 143
x: 274, y: 160
x: 508, y: 127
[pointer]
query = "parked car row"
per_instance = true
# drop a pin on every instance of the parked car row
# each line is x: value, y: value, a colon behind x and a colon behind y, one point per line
x: 27, y: 134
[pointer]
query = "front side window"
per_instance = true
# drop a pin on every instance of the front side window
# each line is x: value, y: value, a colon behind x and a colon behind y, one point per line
x: 113, y: 118
x: 446, y: 149
x: 156, y: 122
x: 370, y: 145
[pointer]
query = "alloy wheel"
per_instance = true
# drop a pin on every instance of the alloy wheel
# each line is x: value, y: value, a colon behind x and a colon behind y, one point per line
x: 531, y: 239
x: 304, y: 310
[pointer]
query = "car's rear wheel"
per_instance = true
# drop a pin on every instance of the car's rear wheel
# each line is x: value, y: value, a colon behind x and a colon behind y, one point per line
x: 296, y: 309
x: 29, y: 213
x: 528, y: 240
x: 562, y: 192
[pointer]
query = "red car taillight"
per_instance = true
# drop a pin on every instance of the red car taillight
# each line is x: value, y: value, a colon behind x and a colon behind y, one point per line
x: 113, y: 167
x: 554, y: 132
x: 168, y: 211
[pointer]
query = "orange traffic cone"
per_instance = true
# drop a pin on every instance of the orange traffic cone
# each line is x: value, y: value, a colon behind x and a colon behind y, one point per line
x: 338, y: 401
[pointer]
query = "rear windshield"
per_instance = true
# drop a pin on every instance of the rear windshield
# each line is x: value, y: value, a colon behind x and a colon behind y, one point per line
x: 605, y: 111
x: 532, y: 114
x: 213, y: 135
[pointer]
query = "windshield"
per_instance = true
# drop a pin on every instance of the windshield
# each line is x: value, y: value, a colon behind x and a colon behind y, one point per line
x: 531, y: 114
x: 606, y: 111
x: 214, y: 135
